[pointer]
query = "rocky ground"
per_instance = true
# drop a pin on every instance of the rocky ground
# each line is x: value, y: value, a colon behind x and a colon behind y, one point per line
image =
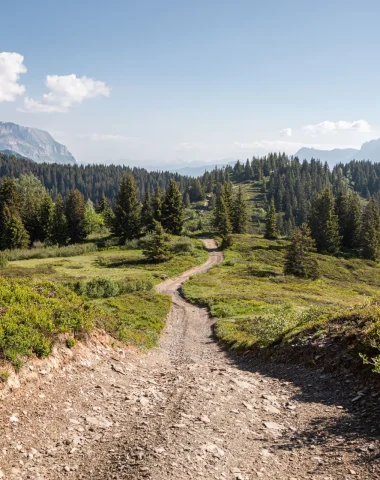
x: 186, y: 410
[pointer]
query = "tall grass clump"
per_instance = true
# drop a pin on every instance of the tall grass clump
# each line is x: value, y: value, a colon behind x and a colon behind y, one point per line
x: 106, y: 288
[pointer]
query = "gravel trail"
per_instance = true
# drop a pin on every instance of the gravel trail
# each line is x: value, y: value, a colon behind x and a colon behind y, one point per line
x: 187, y: 410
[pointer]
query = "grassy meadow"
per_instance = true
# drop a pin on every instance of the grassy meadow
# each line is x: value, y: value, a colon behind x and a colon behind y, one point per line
x: 43, y: 296
x: 257, y: 305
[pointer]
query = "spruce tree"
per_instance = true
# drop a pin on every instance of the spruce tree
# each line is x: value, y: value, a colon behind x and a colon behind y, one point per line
x: 157, y: 204
x: 298, y: 259
x: 353, y: 221
x: 147, y: 214
x: 156, y: 246
x: 239, y: 212
x: 221, y: 221
x: 271, y: 223
x: 60, y: 233
x: 172, y: 210
x: 14, y: 234
x: 128, y: 210
x: 45, y: 218
x: 370, y: 237
x: 323, y: 223
x: 12, y: 231
x: 106, y: 212
x: 75, y: 214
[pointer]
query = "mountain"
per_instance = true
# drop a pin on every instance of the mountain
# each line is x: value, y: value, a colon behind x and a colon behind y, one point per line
x: 33, y: 143
x: 368, y: 151
x: 198, y: 171
x: 332, y: 157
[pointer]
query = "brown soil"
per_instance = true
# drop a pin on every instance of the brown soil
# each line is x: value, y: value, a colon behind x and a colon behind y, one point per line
x: 186, y: 410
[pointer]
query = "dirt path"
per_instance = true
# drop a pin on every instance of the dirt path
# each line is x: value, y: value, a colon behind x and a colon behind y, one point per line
x: 186, y: 410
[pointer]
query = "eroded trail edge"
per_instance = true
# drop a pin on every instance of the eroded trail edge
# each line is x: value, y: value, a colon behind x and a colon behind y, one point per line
x: 186, y: 410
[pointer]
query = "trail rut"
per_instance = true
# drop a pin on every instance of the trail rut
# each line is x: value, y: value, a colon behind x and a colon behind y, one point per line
x: 187, y: 410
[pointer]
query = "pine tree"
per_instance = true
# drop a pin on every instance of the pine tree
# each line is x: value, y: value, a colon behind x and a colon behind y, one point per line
x: 271, y: 223
x: 239, y: 213
x: 157, y: 204
x: 353, y: 221
x: 147, y: 214
x: 172, y: 210
x: 221, y: 221
x: 45, y: 218
x: 14, y: 234
x: 156, y: 246
x: 12, y: 231
x: 75, y: 214
x: 298, y: 259
x: 323, y: 223
x: 128, y: 210
x: 105, y: 211
x: 186, y: 200
x: 370, y: 237
x: 60, y: 233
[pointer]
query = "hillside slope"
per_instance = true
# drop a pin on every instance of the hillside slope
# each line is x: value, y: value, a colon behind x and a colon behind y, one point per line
x: 33, y: 143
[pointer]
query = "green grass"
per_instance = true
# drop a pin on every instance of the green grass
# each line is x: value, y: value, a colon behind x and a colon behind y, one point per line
x: 41, y: 298
x: 113, y: 264
x: 257, y: 305
x: 136, y: 319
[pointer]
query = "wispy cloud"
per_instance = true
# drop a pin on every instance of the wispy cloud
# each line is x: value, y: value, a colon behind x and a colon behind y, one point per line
x: 189, y: 146
x: 66, y: 91
x: 332, y: 127
x: 284, y: 146
x: 11, y: 66
x: 286, y: 132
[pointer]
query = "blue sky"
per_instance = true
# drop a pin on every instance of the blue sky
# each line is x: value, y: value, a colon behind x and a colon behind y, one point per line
x: 165, y: 82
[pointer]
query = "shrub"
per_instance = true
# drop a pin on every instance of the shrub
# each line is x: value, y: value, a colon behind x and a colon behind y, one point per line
x: 3, y: 260
x: 70, y: 342
x: 49, y: 252
x: 33, y: 313
x: 182, y: 245
x: 106, y: 288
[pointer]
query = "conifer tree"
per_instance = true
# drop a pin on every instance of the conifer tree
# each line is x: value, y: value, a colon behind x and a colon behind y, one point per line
x: 239, y: 213
x: 75, y: 214
x: 353, y: 221
x: 128, y: 210
x: 12, y: 231
x: 323, y: 223
x: 157, y: 204
x: 14, y: 234
x: 186, y: 199
x: 271, y: 223
x: 298, y: 259
x: 105, y: 211
x: 60, y: 233
x: 45, y: 218
x: 172, y: 210
x: 221, y: 221
x: 370, y: 237
x: 156, y: 246
x: 147, y: 214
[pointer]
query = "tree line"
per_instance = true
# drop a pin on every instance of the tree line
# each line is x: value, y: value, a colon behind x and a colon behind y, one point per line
x: 29, y: 215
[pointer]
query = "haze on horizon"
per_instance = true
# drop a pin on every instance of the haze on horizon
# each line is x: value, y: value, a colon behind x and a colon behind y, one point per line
x: 165, y: 83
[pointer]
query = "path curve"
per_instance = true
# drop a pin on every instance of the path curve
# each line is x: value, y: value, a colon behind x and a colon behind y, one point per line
x: 185, y: 410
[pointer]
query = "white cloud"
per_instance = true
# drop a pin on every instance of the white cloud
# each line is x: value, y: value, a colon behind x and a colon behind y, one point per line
x: 66, y: 91
x: 332, y: 127
x: 11, y: 66
x: 107, y: 137
x: 286, y: 132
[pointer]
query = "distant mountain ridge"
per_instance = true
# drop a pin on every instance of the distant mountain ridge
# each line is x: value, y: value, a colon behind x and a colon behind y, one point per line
x: 368, y: 151
x: 33, y: 143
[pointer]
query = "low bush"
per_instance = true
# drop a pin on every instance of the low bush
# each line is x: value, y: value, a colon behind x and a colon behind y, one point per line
x: 49, y: 252
x: 3, y: 260
x: 33, y: 313
x: 106, y: 288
